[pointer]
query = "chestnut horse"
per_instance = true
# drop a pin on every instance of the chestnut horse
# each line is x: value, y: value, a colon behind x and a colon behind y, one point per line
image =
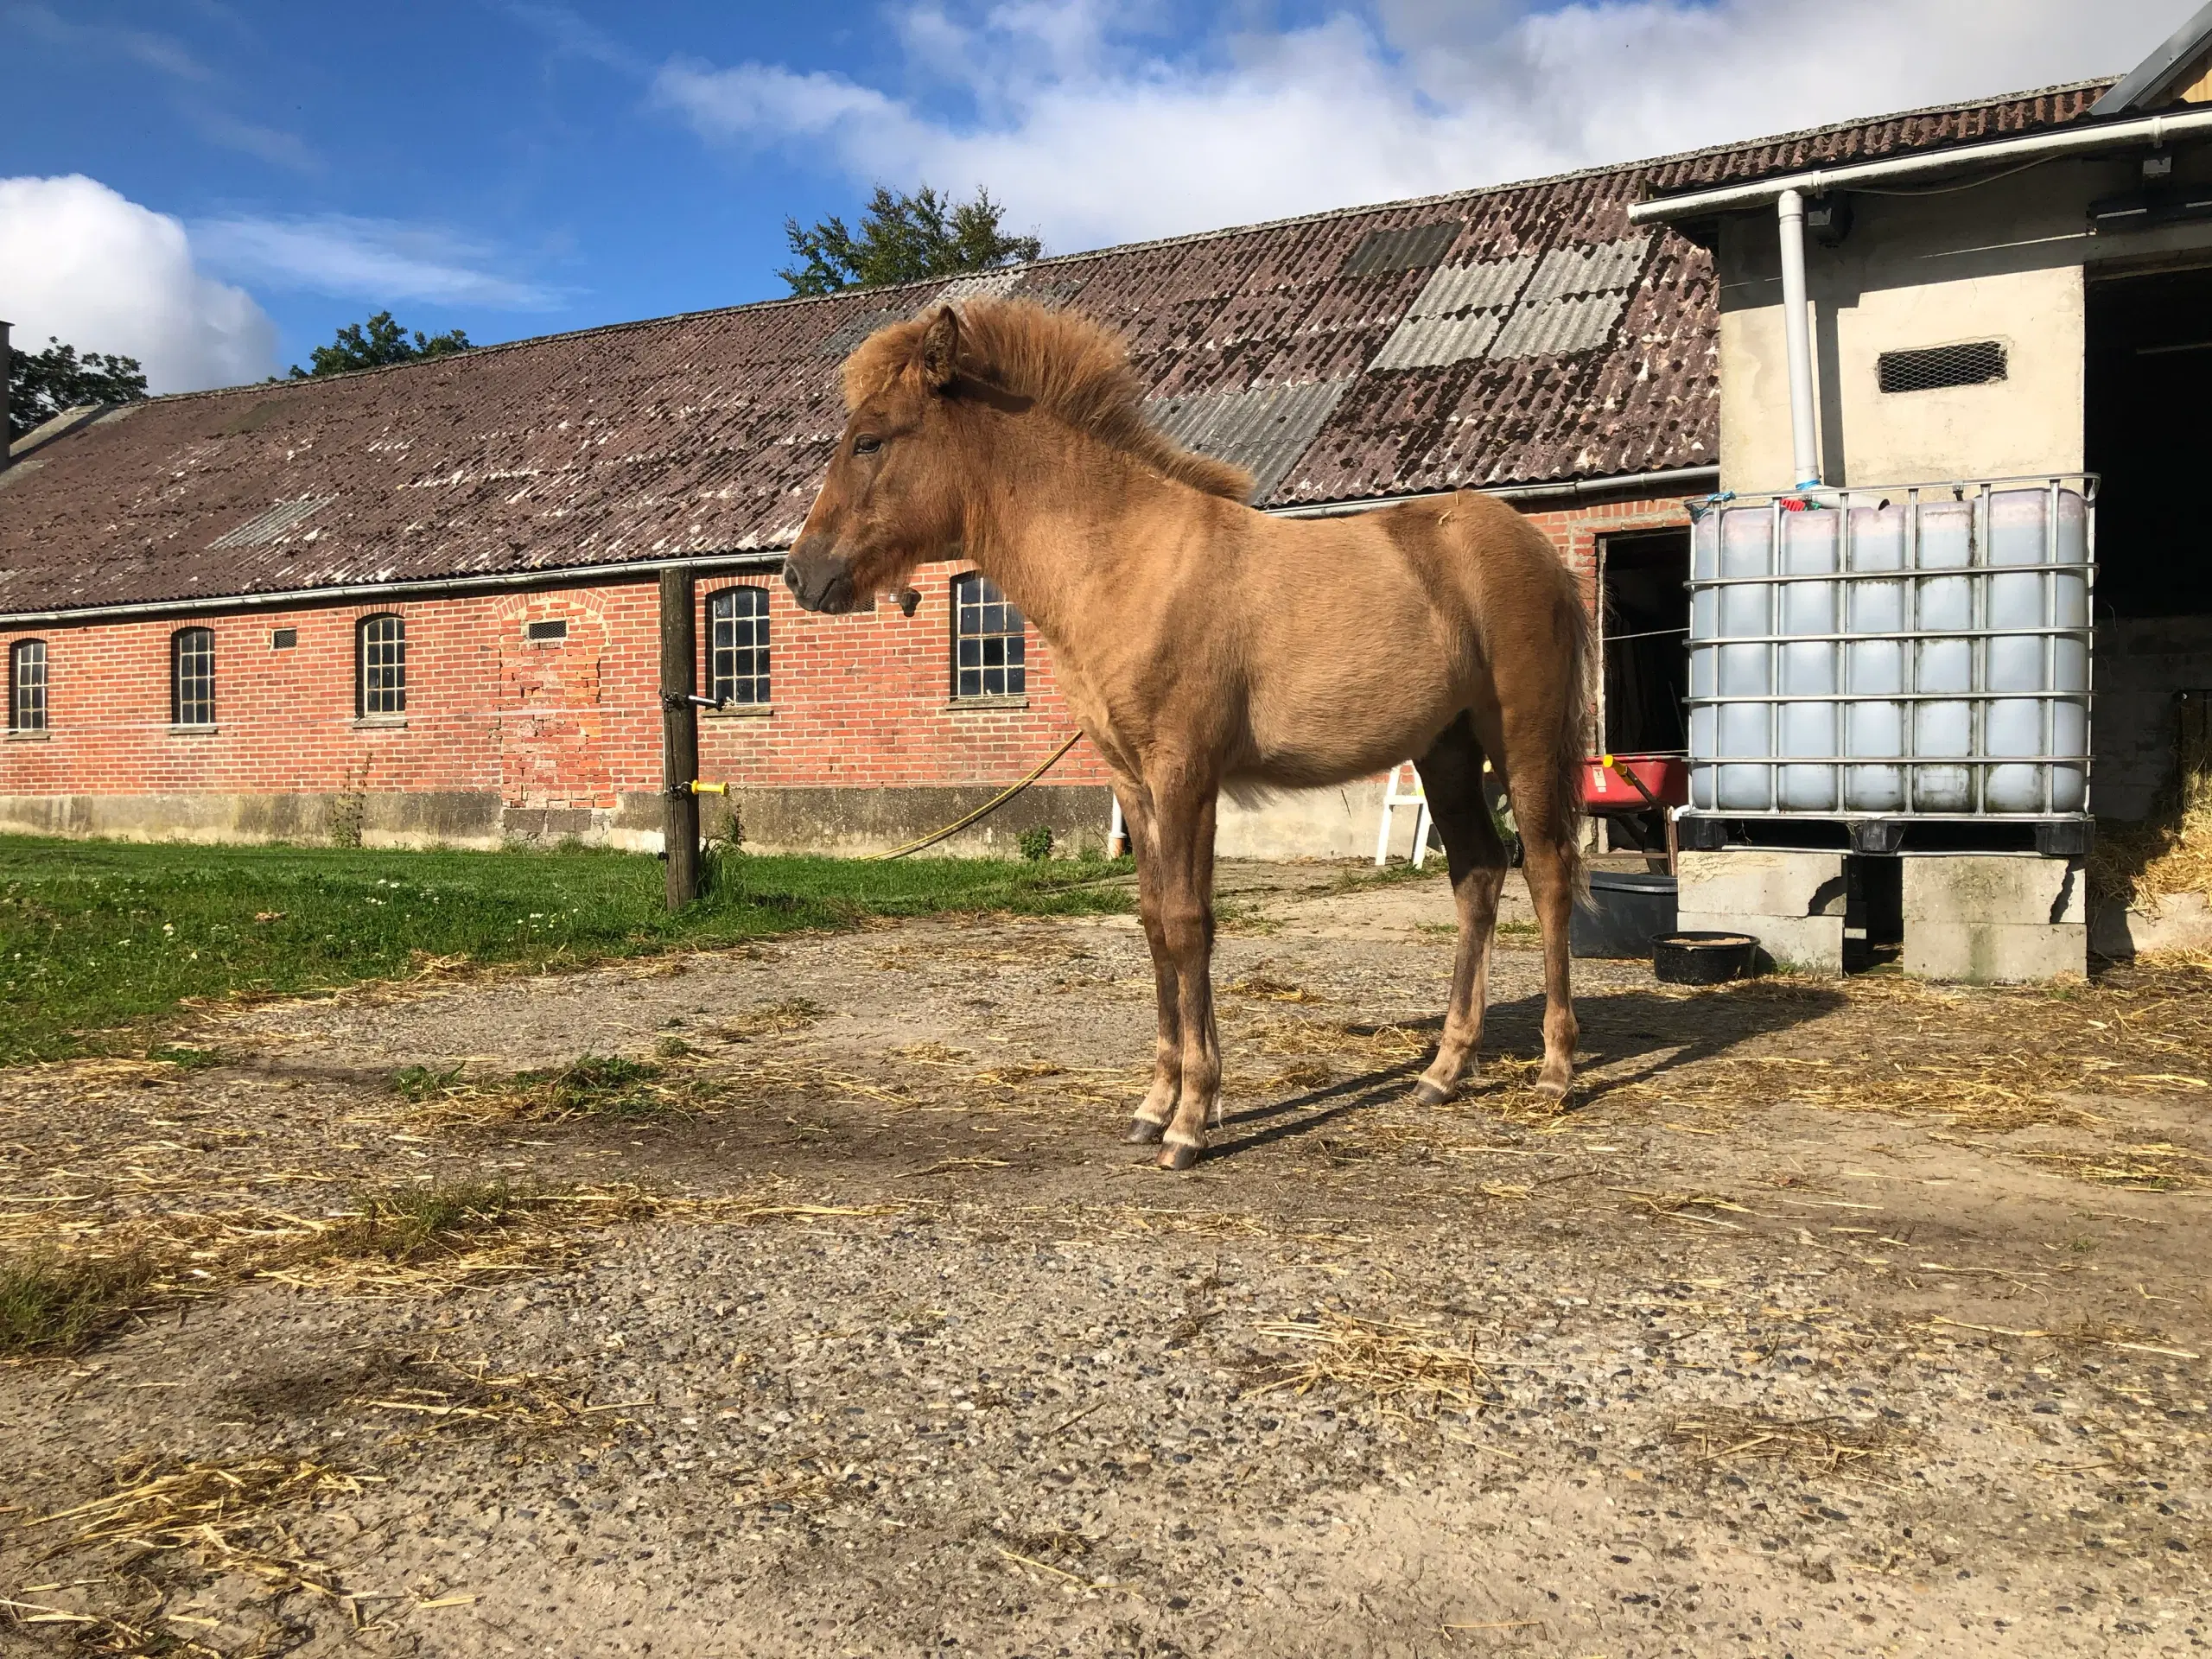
x: 1202, y: 644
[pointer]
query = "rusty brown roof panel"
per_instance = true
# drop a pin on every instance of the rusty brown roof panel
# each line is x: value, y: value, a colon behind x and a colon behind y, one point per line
x: 1303, y: 347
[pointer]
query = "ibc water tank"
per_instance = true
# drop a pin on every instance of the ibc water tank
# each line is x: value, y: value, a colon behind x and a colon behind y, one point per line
x: 1807, y: 722
x: 1747, y: 614
x: 1874, y: 661
x: 1943, y: 663
x: 1705, y: 613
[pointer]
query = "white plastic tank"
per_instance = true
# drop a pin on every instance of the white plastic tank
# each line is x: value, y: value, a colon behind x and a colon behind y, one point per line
x: 1917, y: 651
x: 1746, y: 727
x: 1943, y: 724
x: 1874, y: 660
x: 1807, y: 722
x: 1705, y: 655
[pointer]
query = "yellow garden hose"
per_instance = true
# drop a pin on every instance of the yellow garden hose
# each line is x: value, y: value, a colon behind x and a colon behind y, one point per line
x: 987, y: 807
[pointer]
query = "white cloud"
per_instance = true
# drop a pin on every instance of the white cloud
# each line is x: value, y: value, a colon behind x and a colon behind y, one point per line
x: 1089, y: 134
x: 81, y: 264
x: 379, y: 260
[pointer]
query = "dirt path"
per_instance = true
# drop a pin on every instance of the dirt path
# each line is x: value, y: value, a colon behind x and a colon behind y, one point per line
x: 1834, y: 1319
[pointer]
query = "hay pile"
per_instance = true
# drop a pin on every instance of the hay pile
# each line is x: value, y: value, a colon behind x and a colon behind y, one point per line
x: 2170, y: 852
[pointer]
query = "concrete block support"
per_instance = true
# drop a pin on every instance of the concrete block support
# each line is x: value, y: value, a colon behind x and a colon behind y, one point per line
x: 1791, y: 902
x: 1993, y: 917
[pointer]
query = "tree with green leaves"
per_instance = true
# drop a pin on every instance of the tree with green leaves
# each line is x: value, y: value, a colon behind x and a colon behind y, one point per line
x: 904, y: 238
x: 375, y: 344
x: 41, y: 384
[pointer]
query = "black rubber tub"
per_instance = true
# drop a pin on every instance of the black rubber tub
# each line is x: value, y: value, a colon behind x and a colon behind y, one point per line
x: 1628, y: 909
x: 1704, y: 959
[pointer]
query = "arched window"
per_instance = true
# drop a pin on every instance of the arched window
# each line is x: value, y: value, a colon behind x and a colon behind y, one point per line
x: 192, y: 677
x: 380, y: 676
x: 987, y: 640
x: 27, y: 686
x: 737, y: 646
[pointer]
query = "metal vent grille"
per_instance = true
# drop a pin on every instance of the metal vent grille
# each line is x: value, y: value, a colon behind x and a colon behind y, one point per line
x: 1405, y: 249
x: 1971, y: 365
x: 268, y: 526
x: 284, y: 638
x: 556, y: 629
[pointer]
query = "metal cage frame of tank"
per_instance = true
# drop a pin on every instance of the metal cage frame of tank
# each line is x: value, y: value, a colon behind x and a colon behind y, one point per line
x: 1912, y: 575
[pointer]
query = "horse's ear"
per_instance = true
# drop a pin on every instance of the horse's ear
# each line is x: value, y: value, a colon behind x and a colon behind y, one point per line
x: 940, y: 350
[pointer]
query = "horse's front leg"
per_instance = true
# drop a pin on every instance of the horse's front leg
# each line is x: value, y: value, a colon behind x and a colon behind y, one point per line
x: 1183, y: 832
x: 1158, y: 1106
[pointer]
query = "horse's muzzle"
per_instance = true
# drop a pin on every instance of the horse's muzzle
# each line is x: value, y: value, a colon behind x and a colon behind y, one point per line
x: 818, y: 579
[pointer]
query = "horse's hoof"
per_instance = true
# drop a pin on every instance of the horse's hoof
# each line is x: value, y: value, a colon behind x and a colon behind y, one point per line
x: 1180, y: 1156
x: 1554, y: 1092
x: 1143, y: 1133
x: 1432, y: 1094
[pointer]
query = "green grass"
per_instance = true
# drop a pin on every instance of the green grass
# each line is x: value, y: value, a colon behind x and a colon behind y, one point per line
x: 405, y: 1222
x: 101, y: 943
x: 52, y: 1306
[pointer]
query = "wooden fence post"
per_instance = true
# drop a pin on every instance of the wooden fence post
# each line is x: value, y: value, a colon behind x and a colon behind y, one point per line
x: 679, y: 741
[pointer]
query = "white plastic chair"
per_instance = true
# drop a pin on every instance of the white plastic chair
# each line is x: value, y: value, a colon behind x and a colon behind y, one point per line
x: 1394, y: 798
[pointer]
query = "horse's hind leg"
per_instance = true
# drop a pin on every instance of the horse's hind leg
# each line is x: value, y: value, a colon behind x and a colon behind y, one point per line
x: 1451, y: 777
x: 1551, y: 864
x: 1158, y: 1106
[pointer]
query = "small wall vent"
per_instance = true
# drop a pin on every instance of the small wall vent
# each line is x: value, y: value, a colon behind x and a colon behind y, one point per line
x: 1975, y: 364
x: 284, y: 638
x: 557, y: 628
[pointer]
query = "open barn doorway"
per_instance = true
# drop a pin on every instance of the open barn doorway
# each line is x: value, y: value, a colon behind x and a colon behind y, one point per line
x: 2147, y: 430
x: 1644, y: 619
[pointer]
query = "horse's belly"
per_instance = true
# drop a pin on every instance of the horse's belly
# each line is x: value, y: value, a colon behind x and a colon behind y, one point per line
x: 1360, y: 730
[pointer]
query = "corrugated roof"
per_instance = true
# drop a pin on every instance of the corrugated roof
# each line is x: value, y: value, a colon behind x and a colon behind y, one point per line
x: 1514, y: 335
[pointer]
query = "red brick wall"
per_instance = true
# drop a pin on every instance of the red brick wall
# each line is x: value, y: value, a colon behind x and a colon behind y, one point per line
x: 858, y: 702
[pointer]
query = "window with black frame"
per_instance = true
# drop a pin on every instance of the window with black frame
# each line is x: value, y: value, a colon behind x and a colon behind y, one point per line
x: 737, y: 646
x: 27, y: 686
x: 192, y: 677
x: 987, y: 641
x: 381, y: 680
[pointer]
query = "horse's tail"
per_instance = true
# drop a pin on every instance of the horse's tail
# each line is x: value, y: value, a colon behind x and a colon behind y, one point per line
x: 1572, y: 751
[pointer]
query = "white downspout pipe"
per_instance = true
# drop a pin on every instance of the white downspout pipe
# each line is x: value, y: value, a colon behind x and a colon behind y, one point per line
x: 1797, y: 340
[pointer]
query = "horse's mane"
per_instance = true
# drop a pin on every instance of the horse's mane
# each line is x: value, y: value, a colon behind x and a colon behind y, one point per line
x: 1068, y: 365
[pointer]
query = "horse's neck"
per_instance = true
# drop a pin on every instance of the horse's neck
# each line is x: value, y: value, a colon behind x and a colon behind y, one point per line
x: 1050, y: 528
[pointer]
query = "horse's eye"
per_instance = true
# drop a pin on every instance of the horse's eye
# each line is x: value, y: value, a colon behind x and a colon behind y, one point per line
x: 867, y: 446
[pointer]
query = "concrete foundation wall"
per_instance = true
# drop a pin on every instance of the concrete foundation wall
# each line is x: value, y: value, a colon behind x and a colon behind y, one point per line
x: 1303, y: 823
x: 1994, y: 918
x: 1791, y: 902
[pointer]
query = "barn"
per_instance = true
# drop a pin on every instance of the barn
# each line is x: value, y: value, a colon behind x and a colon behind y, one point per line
x: 418, y: 606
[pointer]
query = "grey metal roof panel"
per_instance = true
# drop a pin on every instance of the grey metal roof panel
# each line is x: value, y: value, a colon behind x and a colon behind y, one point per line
x: 1265, y: 429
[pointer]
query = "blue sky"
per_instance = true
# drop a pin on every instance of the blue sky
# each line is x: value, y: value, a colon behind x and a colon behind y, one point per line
x: 216, y: 184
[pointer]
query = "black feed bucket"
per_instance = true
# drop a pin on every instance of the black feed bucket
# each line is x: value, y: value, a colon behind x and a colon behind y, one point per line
x: 1627, y: 909
x: 1704, y: 959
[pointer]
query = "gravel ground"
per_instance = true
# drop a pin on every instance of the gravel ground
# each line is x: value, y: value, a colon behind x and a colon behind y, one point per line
x: 1833, y: 1319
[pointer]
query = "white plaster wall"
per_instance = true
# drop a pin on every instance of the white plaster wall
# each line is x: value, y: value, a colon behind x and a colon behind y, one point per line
x: 2005, y: 261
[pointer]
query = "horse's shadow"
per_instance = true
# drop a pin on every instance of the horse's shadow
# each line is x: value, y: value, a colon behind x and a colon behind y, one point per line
x: 1632, y: 1036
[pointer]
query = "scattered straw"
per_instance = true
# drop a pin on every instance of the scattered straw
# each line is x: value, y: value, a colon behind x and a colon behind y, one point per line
x: 224, y: 1514
x: 1402, y: 1364
x: 1820, y: 1445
